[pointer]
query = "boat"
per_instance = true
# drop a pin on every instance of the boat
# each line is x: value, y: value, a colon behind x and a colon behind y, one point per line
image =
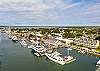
x: 39, y: 49
x: 36, y: 54
x: 9, y: 36
x: 14, y: 38
x: 23, y: 43
x: 97, y: 69
x: 80, y: 51
x: 56, y: 57
x: 9, y: 33
x: 98, y: 64
x: 30, y: 47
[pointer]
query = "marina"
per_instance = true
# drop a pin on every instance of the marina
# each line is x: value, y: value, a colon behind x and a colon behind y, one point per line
x: 14, y: 57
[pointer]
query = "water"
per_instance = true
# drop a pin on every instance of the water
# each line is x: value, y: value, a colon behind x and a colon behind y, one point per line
x: 14, y: 57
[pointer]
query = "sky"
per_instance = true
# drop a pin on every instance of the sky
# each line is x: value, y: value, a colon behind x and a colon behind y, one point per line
x: 49, y: 12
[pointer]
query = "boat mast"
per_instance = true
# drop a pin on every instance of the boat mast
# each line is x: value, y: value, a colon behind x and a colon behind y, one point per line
x: 9, y: 30
x: 68, y: 53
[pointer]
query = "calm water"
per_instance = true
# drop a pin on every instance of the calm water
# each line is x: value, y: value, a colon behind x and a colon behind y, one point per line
x: 14, y: 57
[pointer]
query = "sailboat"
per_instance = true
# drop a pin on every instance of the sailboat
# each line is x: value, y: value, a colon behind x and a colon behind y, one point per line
x: 9, y: 32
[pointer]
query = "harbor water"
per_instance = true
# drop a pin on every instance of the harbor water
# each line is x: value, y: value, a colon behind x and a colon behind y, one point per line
x: 14, y: 57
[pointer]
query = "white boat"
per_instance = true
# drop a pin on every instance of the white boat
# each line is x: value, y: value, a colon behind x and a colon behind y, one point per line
x: 23, y: 43
x: 14, y: 38
x: 9, y: 36
x: 37, y: 54
x: 98, y: 64
x: 83, y: 52
x: 30, y: 47
x: 97, y: 69
x: 40, y: 50
x: 56, y: 57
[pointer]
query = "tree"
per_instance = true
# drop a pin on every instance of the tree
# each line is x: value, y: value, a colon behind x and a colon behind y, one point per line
x: 98, y: 47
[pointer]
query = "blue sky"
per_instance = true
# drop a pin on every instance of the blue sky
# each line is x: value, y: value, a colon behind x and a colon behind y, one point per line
x: 50, y: 12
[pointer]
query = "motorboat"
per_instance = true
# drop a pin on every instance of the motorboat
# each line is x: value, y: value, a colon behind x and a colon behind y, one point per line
x: 23, y: 43
x: 37, y: 54
x: 9, y: 36
x: 40, y: 50
x: 30, y: 46
x: 14, y: 38
x: 98, y: 64
x: 56, y: 57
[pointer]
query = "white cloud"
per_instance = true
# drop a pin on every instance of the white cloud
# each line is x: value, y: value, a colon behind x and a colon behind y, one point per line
x: 34, y: 5
x: 19, y: 5
x: 94, y: 7
x: 92, y: 11
x: 54, y: 10
x: 36, y: 8
x: 72, y: 5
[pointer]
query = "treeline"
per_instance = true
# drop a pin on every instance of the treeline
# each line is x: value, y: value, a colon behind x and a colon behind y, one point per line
x: 66, y: 32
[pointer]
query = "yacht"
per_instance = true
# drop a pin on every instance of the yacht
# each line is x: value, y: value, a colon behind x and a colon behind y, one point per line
x: 98, y: 64
x: 23, y: 43
x: 30, y: 46
x: 56, y: 57
x: 14, y: 38
x: 83, y: 52
x: 37, y: 54
x: 39, y: 49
